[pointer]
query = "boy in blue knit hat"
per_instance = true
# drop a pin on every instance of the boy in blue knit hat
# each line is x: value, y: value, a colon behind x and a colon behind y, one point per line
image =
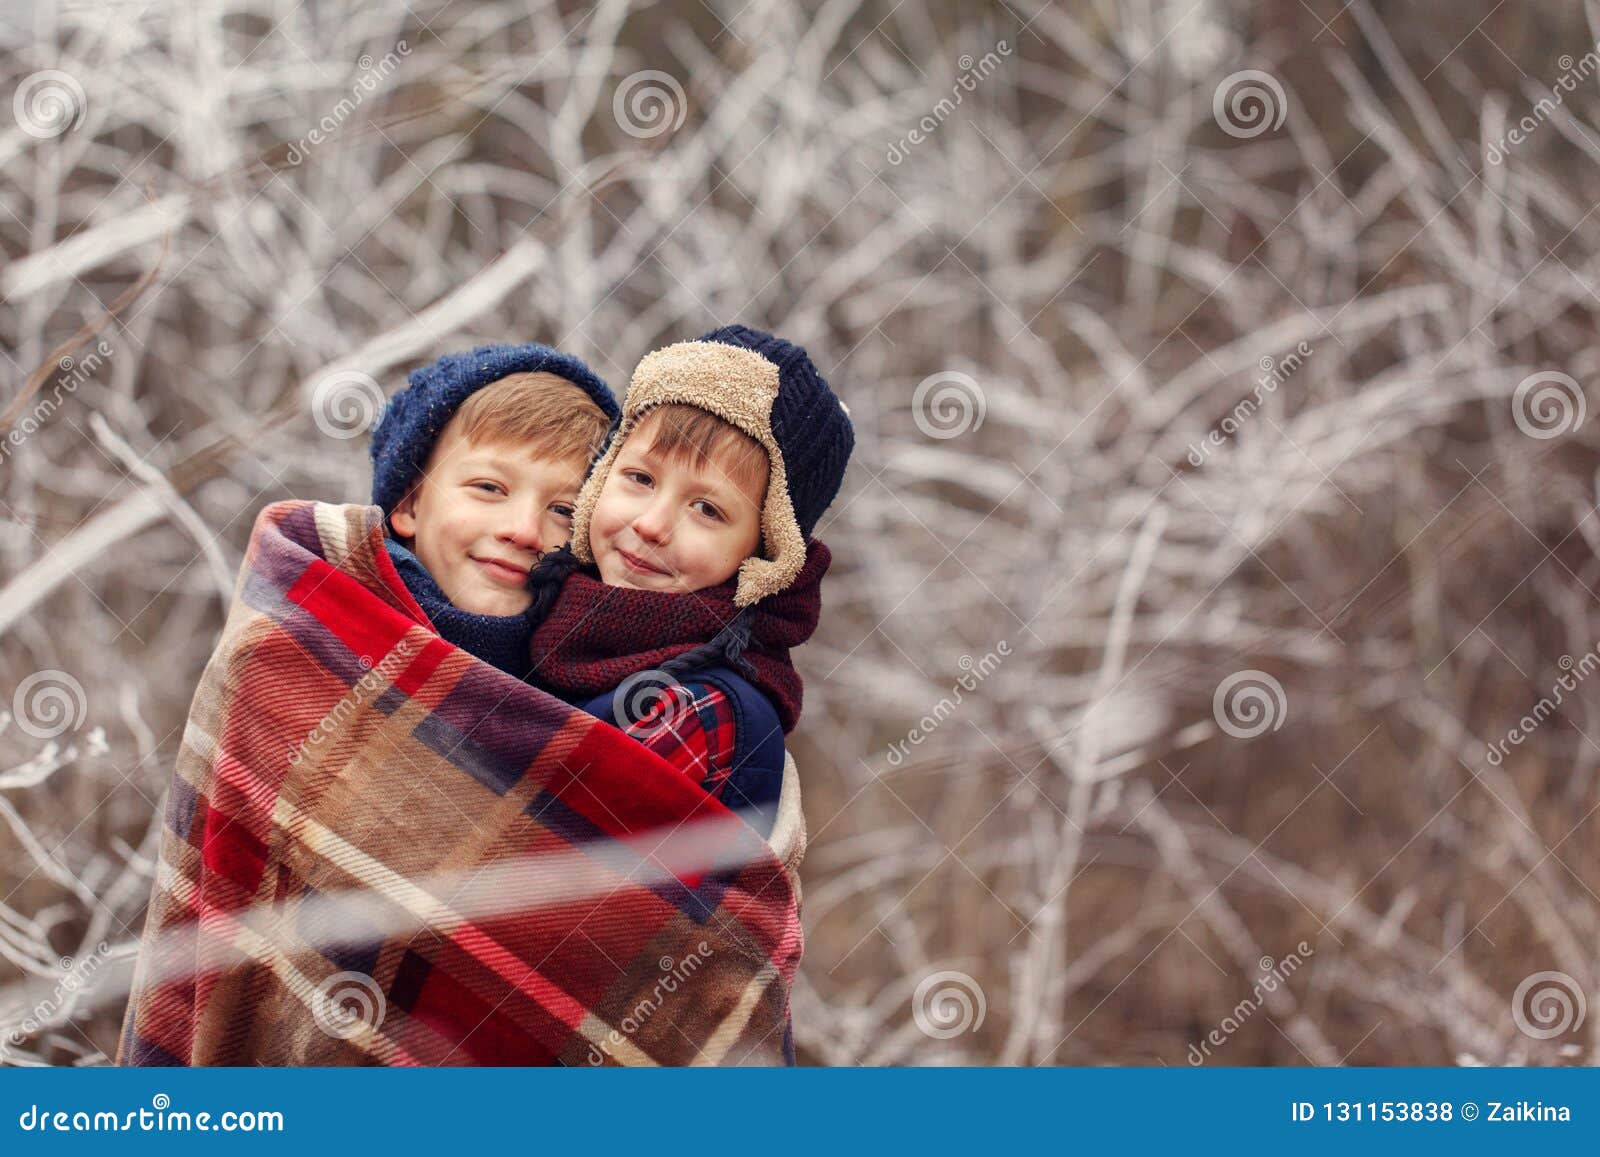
x: 692, y: 572
x: 477, y: 464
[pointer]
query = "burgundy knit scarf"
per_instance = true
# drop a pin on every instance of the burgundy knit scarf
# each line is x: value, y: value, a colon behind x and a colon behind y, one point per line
x: 595, y: 635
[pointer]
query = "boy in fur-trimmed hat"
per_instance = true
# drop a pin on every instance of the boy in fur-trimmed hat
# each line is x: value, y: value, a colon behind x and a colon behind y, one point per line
x: 691, y: 571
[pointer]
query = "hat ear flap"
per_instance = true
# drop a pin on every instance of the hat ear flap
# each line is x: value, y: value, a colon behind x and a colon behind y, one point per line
x: 589, y: 494
x: 786, y: 545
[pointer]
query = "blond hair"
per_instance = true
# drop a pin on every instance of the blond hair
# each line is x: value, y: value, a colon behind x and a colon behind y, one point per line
x: 542, y: 412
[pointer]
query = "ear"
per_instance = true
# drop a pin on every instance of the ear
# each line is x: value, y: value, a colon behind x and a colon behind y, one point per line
x: 404, y: 515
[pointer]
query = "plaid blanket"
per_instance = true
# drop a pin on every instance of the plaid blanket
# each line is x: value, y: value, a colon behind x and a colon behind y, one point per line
x: 381, y: 850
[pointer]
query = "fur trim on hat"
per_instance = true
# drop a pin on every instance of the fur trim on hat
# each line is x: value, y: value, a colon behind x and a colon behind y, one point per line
x: 738, y: 386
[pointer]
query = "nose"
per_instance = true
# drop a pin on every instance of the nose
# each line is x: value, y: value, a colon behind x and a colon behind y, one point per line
x: 522, y: 530
x: 654, y: 523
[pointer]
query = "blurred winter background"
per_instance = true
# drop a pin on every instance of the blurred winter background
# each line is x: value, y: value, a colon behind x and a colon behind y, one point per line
x: 1202, y: 677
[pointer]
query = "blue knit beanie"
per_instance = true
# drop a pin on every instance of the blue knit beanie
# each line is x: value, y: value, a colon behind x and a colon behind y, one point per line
x: 419, y: 411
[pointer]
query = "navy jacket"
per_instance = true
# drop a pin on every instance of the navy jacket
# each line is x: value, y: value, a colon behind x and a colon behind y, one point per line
x: 752, y: 787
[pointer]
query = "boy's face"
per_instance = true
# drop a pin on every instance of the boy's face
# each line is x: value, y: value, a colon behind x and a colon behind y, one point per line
x: 665, y: 524
x: 482, y: 514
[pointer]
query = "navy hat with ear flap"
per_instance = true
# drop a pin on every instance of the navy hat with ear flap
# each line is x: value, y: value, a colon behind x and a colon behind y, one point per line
x: 769, y: 389
x: 811, y: 426
x: 419, y: 412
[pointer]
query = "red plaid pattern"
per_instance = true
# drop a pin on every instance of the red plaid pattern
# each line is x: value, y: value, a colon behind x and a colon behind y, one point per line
x: 692, y: 728
x: 361, y: 809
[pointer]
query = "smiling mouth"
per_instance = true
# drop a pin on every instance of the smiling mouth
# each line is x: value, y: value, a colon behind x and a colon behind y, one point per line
x: 505, y: 573
x: 634, y: 563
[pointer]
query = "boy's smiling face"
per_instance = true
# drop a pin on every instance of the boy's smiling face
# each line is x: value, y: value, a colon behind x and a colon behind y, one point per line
x: 678, y: 521
x: 482, y: 513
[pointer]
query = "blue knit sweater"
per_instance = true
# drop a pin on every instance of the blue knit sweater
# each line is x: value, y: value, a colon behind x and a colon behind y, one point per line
x: 501, y: 640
